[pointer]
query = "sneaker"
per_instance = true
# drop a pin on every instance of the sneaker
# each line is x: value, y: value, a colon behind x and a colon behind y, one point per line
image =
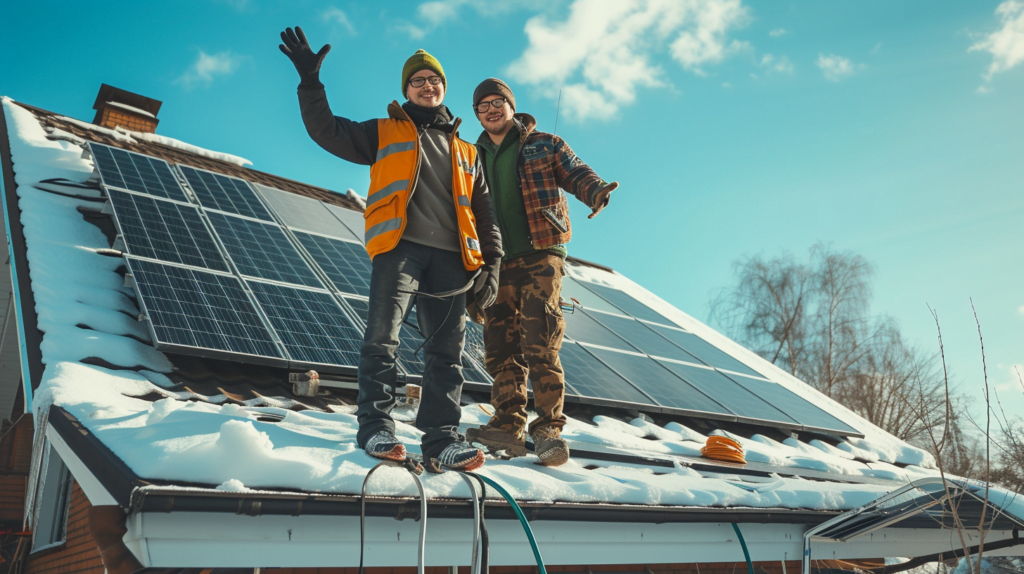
x: 496, y: 440
x: 384, y: 445
x: 549, y: 445
x: 458, y: 455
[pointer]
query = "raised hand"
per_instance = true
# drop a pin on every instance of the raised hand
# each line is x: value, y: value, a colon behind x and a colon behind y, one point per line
x: 296, y: 47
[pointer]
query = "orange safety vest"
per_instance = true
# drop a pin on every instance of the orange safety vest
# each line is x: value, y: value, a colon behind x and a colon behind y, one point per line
x: 393, y: 177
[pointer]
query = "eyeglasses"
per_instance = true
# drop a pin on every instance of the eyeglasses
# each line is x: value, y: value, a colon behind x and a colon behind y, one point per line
x: 419, y: 81
x: 496, y: 103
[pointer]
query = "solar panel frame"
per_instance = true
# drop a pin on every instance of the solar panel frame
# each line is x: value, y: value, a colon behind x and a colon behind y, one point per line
x: 353, y: 220
x: 314, y: 329
x: 127, y: 170
x: 703, y: 350
x: 641, y: 336
x: 583, y: 328
x: 262, y: 250
x: 224, y: 324
x: 219, y: 192
x: 585, y: 373
x: 142, y: 219
x: 628, y: 304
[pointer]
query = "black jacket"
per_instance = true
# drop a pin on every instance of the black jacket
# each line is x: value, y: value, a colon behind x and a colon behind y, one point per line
x: 357, y: 142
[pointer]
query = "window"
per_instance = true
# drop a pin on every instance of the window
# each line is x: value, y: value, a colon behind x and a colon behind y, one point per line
x: 52, y: 523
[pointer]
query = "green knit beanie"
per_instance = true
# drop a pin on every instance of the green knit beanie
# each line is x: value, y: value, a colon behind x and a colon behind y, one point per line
x: 421, y: 60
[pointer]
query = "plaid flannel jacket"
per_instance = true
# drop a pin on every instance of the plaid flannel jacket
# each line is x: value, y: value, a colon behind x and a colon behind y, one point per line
x: 546, y: 166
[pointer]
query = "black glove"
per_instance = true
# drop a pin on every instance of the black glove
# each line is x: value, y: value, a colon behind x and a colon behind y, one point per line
x: 485, y: 288
x: 602, y: 197
x: 296, y: 47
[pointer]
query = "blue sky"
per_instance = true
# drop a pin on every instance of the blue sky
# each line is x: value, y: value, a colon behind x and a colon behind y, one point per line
x: 890, y: 129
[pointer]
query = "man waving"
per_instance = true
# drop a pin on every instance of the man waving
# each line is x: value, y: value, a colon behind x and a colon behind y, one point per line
x: 429, y: 226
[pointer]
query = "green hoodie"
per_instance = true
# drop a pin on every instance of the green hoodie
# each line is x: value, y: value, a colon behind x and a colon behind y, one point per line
x: 500, y: 170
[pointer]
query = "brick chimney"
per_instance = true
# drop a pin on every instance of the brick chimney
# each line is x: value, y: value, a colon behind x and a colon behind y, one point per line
x: 116, y: 107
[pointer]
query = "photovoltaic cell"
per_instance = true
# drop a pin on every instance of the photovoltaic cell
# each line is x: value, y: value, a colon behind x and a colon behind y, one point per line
x: 195, y: 309
x: 311, y: 324
x: 346, y: 264
x: 582, y: 328
x: 164, y: 230
x: 135, y: 172
x: 643, y: 337
x: 628, y: 303
x: 571, y: 289
x: 652, y: 378
x: 734, y: 396
x: 216, y: 191
x: 706, y: 352
x: 304, y: 213
x: 796, y: 406
x: 262, y: 250
x: 587, y: 377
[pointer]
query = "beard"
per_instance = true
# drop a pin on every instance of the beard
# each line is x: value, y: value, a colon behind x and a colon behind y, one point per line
x: 497, y: 128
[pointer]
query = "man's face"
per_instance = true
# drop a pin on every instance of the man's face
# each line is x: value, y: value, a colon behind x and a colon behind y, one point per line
x: 427, y: 95
x: 494, y: 120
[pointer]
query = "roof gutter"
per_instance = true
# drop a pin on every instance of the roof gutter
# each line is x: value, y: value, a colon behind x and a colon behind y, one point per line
x: 136, y: 494
x: 29, y: 337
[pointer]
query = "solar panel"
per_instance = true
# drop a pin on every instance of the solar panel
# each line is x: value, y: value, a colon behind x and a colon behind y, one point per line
x: 571, y: 289
x: 644, y: 338
x: 229, y: 194
x: 164, y: 230
x: 734, y: 396
x: 585, y: 376
x: 345, y: 263
x: 654, y: 379
x: 262, y: 250
x: 135, y: 172
x: 353, y: 220
x: 311, y: 324
x: 628, y: 304
x: 582, y: 328
x: 191, y: 311
x: 305, y: 213
x: 797, y: 407
x: 706, y: 352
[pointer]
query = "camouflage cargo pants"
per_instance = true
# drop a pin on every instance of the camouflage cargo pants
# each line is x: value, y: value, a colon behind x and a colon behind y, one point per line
x: 522, y: 335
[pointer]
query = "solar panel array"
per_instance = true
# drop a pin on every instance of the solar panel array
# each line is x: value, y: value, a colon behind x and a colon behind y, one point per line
x: 226, y: 268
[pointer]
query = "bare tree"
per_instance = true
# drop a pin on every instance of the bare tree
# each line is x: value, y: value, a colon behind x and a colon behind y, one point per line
x: 813, y: 320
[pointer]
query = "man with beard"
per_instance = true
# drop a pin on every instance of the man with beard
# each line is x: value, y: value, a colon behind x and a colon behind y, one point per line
x: 429, y: 226
x: 526, y: 171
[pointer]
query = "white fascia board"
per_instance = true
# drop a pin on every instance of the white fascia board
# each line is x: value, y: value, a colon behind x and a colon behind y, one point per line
x: 212, y: 540
x: 94, y: 491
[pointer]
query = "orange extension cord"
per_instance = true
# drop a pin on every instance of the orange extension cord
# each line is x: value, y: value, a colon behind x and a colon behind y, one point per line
x: 723, y: 448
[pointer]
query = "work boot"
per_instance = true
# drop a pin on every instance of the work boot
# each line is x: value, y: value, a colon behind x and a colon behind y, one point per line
x: 385, y: 446
x: 458, y: 455
x: 549, y: 445
x: 496, y: 440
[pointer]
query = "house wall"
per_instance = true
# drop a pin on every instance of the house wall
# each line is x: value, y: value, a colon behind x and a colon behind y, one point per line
x: 15, y: 460
x: 78, y: 554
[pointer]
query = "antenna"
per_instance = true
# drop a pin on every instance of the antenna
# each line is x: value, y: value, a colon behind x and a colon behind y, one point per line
x: 557, y: 108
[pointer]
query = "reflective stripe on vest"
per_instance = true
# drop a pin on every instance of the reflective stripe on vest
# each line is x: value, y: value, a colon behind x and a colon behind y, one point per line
x: 393, y: 176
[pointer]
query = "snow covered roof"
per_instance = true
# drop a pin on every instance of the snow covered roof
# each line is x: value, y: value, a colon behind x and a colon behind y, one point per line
x: 185, y: 425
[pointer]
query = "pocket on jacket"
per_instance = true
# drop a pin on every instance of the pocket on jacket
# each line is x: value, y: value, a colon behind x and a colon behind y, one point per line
x: 555, y: 325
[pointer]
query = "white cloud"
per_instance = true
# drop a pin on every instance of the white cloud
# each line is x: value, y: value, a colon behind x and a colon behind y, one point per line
x: 836, y: 67
x: 207, y: 67
x: 777, y: 32
x: 601, y: 53
x: 1021, y: 309
x: 337, y: 16
x: 779, y: 64
x: 1006, y: 44
x: 430, y: 15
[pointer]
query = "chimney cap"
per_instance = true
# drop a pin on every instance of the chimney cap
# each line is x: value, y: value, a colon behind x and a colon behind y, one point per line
x: 111, y: 94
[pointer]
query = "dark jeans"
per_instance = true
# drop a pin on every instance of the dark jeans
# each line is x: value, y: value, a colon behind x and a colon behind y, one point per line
x: 412, y: 266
